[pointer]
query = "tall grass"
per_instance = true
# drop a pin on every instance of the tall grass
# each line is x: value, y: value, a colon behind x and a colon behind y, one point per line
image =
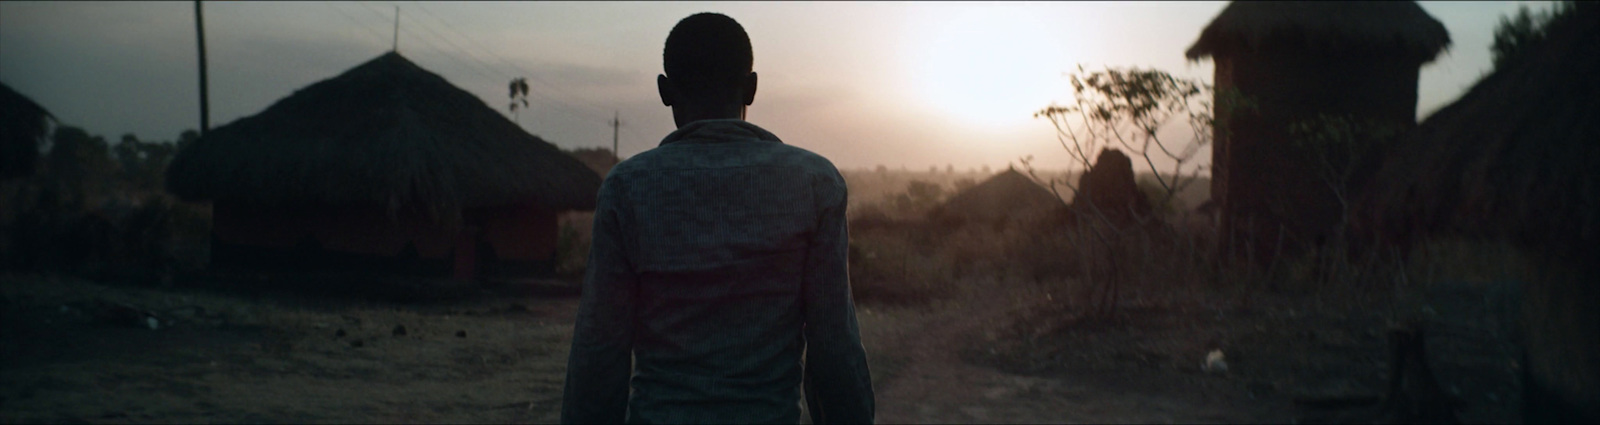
x: 1098, y: 266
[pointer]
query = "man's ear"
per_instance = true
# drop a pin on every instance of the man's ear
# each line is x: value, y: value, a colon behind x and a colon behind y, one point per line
x: 749, y: 89
x: 664, y: 87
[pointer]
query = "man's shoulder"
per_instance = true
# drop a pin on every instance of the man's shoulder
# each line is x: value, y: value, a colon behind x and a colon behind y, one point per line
x: 801, y: 157
x: 756, y: 154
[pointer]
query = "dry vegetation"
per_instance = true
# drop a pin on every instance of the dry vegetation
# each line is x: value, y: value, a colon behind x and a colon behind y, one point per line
x: 1012, y: 322
x: 1077, y: 304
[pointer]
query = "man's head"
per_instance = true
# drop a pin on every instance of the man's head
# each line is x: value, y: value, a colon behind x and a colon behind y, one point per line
x: 708, y: 64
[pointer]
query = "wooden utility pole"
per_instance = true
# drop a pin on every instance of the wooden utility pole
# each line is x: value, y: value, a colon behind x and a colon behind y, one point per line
x: 205, y: 98
x: 396, y: 42
x: 616, y: 123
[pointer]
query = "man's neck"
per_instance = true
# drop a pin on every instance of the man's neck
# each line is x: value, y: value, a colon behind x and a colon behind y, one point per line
x: 683, y: 115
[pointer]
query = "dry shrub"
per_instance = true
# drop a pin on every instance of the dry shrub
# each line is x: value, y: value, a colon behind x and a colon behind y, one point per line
x: 1096, y: 265
x: 868, y: 216
x: 1100, y: 268
x: 1470, y: 261
x: 575, y: 231
x: 973, y: 250
x: 901, y: 261
x: 892, y: 264
x: 143, y: 243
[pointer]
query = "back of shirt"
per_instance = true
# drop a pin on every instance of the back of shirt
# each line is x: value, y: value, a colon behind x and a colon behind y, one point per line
x: 719, y: 258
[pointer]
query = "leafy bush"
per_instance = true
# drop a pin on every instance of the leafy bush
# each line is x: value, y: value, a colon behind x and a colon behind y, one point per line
x: 572, y: 251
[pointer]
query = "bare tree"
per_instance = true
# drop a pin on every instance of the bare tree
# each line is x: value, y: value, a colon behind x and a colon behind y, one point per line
x: 1343, y: 150
x: 1128, y: 109
x: 1133, y: 110
x: 1339, y: 146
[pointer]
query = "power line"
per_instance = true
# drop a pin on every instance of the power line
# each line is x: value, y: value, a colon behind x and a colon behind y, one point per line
x: 481, y: 65
x: 353, y: 20
x: 491, y: 53
x: 479, y: 71
x: 429, y: 43
x: 555, y: 104
x: 452, y: 29
x: 474, y: 42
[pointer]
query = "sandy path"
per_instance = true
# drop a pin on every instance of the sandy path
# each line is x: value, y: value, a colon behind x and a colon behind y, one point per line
x: 284, y: 361
x: 935, y: 385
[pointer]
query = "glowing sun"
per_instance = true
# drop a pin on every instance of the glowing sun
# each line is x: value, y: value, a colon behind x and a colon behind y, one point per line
x: 986, y: 64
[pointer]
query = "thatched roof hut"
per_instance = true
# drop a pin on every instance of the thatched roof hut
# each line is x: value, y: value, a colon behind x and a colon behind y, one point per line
x: 1297, y: 61
x: 386, y: 132
x: 387, y: 165
x: 1007, y: 195
x: 1322, y: 28
x: 1517, y: 160
x: 23, y: 125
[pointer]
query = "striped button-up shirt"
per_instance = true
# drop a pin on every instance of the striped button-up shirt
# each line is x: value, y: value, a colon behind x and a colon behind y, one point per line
x: 718, y: 261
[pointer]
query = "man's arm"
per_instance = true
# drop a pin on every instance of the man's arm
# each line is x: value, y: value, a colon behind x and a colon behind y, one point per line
x: 838, y: 386
x: 601, y: 361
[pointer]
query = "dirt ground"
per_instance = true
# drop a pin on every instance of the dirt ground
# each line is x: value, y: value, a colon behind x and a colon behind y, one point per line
x: 83, y: 352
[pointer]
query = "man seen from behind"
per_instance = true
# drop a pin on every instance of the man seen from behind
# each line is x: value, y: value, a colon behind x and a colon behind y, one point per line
x: 718, y: 261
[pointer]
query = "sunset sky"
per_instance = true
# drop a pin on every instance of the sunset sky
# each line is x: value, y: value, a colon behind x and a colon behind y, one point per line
x: 899, y: 84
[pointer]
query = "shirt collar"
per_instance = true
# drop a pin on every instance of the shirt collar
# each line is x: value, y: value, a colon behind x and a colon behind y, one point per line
x: 719, y: 130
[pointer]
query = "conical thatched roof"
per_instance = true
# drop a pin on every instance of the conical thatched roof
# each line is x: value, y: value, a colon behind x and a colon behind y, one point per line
x: 1517, y: 157
x: 23, y: 124
x: 1008, y: 194
x: 1322, y: 27
x: 388, y: 133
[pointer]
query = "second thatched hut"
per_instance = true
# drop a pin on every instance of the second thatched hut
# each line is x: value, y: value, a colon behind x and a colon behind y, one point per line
x: 1296, y: 61
x: 1006, y: 196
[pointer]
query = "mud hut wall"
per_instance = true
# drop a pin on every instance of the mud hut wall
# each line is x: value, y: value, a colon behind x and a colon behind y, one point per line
x: 372, y: 231
x: 306, y: 237
x: 522, y: 237
x: 517, y: 232
x: 239, y: 224
x: 1263, y: 180
x: 1222, y: 80
x: 357, y: 230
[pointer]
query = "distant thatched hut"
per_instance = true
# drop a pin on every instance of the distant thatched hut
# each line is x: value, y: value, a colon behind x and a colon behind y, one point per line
x: 1517, y: 159
x: 1005, y: 196
x: 23, y: 124
x: 1297, y: 60
x: 386, y: 165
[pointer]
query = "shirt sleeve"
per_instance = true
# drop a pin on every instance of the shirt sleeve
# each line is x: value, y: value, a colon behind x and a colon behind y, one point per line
x: 601, y: 361
x: 838, y: 387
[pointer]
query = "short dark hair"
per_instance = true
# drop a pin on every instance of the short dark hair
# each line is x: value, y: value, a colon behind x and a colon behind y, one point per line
x: 707, y: 52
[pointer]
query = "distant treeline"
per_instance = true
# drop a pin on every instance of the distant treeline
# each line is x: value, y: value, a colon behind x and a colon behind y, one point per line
x: 97, y: 208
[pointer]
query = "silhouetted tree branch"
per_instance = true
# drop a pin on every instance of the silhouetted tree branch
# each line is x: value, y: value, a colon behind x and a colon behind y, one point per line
x: 1128, y: 109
